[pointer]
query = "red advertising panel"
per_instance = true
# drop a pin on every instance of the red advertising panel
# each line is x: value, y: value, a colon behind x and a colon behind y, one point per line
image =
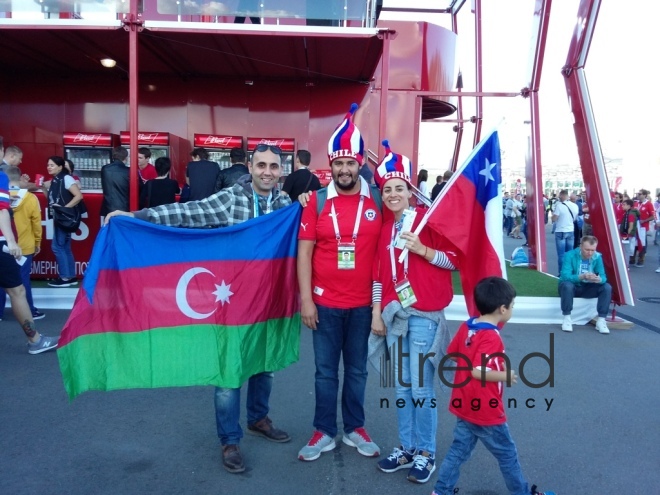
x: 147, y: 138
x: 287, y: 145
x: 324, y: 175
x: 89, y: 139
x: 215, y: 141
x: 44, y: 265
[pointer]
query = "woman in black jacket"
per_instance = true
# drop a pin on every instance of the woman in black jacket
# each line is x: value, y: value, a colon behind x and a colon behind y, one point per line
x: 62, y: 191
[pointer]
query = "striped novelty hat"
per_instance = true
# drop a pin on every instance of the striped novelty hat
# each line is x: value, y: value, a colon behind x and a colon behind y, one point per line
x: 346, y: 141
x: 393, y: 166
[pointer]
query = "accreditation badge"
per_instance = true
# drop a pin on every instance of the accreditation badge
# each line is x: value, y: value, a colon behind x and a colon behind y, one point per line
x: 405, y: 293
x: 346, y: 257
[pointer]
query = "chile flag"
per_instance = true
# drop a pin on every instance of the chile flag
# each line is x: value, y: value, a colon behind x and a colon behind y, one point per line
x: 468, y: 212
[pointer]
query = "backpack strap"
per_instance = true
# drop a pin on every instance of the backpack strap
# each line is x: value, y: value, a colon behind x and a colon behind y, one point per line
x: 322, y: 195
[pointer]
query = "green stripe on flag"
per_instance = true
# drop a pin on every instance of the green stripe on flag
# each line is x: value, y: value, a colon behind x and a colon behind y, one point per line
x: 224, y: 356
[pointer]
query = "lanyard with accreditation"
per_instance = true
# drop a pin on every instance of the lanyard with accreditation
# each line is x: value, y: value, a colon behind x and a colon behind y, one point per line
x: 346, y: 251
x: 404, y: 290
x: 255, y: 200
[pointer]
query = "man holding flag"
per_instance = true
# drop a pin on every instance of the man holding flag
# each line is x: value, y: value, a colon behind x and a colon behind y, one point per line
x: 252, y: 196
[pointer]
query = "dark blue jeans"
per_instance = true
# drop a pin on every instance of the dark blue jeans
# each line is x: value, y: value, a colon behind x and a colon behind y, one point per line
x: 568, y: 291
x: 228, y: 407
x: 497, y: 440
x: 341, y: 333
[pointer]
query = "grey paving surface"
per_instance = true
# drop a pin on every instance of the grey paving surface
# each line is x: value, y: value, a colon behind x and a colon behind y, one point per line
x: 600, y: 435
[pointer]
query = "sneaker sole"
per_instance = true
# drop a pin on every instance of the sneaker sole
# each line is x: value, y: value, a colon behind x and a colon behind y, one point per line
x: 415, y: 480
x: 39, y: 351
x: 40, y: 317
x: 566, y: 329
x: 402, y: 466
x: 234, y: 470
x: 257, y: 433
x: 327, y: 448
x: 350, y: 443
x: 60, y: 285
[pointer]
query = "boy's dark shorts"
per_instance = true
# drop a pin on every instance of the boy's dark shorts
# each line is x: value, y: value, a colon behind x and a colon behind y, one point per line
x: 10, y: 272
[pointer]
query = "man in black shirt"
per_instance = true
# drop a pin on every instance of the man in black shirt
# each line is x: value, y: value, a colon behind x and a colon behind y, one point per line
x: 201, y: 175
x: 440, y: 183
x: 229, y: 176
x: 302, y: 180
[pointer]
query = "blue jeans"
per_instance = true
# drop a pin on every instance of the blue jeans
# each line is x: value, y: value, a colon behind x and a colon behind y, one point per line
x: 508, y: 225
x: 497, y: 440
x: 228, y: 407
x: 61, y: 245
x: 564, y: 243
x: 341, y: 333
x: 418, y: 419
x: 568, y: 291
x: 25, y: 277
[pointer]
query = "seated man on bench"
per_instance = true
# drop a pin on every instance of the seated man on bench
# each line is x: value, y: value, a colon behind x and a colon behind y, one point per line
x: 583, y: 275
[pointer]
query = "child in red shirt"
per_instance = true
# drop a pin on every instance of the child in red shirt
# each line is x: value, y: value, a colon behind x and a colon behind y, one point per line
x: 476, y: 398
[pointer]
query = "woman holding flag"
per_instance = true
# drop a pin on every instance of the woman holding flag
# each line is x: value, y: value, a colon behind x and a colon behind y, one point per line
x: 408, y: 303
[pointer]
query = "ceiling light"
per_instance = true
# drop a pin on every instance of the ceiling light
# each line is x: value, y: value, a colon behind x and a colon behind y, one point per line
x: 108, y: 62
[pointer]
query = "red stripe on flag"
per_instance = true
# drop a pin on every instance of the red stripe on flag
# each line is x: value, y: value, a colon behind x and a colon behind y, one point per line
x: 140, y: 299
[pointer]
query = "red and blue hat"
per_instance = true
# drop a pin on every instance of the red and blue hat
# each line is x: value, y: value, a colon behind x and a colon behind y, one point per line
x: 346, y: 141
x: 393, y: 166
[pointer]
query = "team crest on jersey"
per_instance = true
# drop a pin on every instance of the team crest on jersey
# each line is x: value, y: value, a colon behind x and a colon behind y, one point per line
x: 370, y: 215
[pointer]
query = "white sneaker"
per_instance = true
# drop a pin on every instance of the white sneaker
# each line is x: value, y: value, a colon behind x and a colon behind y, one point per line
x: 657, y: 270
x: 567, y: 324
x: 601, y: 325
x: 318, y: 444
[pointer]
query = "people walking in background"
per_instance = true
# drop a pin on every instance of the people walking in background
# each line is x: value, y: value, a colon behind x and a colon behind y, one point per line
x: 27, y: 219
x: 10, y: 276
x: 646, y: 218
x: 441, y: 182
x: 201, y: 175
x: 162, y: 190
x: 656, y: 206
x: 146, y: 170
x: 516, y: 215
x: 230, y: 175
x: 422, y: 185
x: 115, y: 182
x: 63, y: 191
x: 564, y: 216
x: 302, y: 179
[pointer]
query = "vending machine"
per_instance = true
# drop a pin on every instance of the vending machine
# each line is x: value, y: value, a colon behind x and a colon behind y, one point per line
x: 89, y: 152
x: 218, y: 147
x: 288, y: 147
x: 163, y: 144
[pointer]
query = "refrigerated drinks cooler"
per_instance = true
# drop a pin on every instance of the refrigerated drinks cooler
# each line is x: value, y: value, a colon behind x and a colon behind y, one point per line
x: 286, y: 145
x: 163, y: 144
x: 89, y: 152
x: 218, y: 147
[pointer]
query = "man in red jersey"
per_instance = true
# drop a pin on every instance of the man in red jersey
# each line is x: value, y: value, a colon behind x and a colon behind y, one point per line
x: 337, y: 241
x: 646, y: 217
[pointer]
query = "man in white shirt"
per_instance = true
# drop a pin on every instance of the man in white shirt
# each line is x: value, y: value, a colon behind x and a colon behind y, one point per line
x: 565, y: 214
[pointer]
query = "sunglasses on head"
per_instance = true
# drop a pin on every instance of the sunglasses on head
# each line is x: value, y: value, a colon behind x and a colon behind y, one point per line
x: 263, y: 147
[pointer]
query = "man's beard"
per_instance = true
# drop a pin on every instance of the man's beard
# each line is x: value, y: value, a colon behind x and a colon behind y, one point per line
x: 349, y: 186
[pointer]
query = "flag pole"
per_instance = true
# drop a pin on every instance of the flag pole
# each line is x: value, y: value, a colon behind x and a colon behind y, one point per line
x: 453, y: 179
